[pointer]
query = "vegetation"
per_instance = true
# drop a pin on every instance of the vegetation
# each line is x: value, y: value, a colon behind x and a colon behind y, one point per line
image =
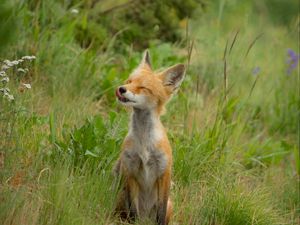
x: 233, y: 125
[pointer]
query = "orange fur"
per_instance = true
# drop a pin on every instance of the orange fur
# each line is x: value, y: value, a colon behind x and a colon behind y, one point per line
x: 145, y: 162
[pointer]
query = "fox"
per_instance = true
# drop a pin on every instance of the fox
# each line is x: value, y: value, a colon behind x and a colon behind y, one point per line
x: 145, y: 162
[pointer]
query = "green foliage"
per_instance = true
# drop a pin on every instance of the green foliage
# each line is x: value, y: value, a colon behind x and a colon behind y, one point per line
x: 135, y: 22
x: 96, y: 141
x: 236, y: 207
x: 7, y: 24
x: 281, y: 12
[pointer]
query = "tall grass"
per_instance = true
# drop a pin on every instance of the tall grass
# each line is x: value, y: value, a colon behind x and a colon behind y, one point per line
x: 233, y: 129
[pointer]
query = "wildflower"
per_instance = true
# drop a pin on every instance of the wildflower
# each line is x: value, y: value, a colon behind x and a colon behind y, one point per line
x: 22, y: 70
x: 74, y: 11
x: 5, y: 80
x: 10, y: 97
x: 28, y: 86
x: 28, y: 57
x: 6, y: 94
x: 4, y: 67
x: 255, y: 70
x: 6, y: 90
x: 292, y: 61
x: 15, y: 62
x: 9, y: 63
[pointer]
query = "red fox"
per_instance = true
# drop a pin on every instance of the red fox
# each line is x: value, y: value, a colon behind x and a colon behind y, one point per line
x: 145, y: 161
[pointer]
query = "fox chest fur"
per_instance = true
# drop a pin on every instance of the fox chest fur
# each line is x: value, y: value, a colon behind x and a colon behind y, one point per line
x: 142, y: 156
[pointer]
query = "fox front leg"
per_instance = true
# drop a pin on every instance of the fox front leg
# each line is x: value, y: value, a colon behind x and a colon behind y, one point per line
x: 117, y: 168
x: 163, y: 198
x: 161, y: 213
x: 127, y: 206
x: 117, y: 177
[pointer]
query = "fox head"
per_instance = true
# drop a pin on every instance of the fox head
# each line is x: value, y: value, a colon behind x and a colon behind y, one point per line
x: 147, y: 89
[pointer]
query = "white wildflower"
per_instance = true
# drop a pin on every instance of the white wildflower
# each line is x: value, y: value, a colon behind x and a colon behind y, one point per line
x: 20, y: 60
x: 10, y: 97
x: 4, y: 90
x: 15, y: 62
x: 28, y: 86
x: 28, y: 57
x: 5, y: 80
x: 4, y: 67
x: 22, y: 70
x: 9, y: 63
x: 2, y: 74
x: 74, y: 11
x: 6, y: 94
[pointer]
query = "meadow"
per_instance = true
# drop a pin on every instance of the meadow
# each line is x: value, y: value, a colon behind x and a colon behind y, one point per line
x: 233, y: 125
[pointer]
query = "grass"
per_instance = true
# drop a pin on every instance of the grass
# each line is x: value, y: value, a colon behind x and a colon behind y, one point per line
x: 235, y: 146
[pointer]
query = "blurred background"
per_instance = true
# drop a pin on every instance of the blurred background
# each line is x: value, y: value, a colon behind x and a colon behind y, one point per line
x: 234, y: 124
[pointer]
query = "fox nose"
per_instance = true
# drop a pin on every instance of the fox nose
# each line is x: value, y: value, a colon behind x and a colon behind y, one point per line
x: 122, y: 90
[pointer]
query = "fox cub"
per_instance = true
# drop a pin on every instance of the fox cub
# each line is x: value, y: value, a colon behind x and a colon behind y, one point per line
x: 145, y: 161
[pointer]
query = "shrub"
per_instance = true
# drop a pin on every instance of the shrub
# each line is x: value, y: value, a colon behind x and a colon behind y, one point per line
x: 137, y: 22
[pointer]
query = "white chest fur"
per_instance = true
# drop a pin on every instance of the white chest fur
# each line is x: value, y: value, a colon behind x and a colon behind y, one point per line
x: 145, y: 163
x: 143, y: 159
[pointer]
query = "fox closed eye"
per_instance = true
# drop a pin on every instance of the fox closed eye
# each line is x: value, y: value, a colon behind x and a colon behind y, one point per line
x: 145, y: 89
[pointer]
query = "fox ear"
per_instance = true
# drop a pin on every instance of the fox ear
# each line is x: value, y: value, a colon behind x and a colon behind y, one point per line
x: 173, y: 76
x: 146, y: 59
